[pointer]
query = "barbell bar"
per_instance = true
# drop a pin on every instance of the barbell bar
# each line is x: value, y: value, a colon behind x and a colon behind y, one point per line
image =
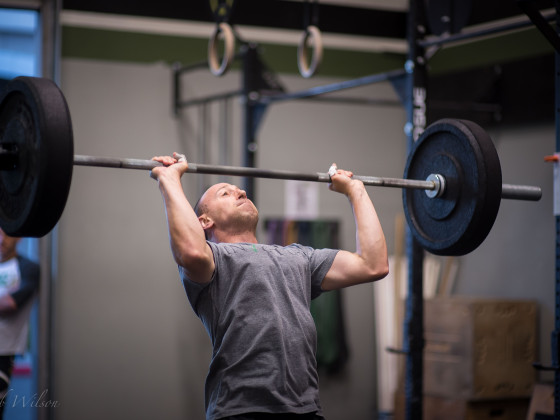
x: 452, y: 184
x: 513, y: 192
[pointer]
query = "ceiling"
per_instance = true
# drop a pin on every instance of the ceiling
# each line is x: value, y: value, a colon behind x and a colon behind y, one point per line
x: 376, y: 18
x: 482, y: 71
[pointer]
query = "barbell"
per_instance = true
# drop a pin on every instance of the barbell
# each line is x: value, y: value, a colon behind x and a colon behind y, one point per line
x: 452, y: 185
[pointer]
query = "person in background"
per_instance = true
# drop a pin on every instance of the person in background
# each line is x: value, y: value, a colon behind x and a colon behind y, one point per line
x: 19, y: 282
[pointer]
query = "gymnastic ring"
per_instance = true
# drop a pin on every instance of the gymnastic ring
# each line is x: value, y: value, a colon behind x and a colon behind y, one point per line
x: 309, y: 69
x: 216, y: 67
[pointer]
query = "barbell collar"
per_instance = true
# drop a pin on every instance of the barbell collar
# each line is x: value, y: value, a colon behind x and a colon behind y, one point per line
x: 516, y: 192
x: 439, y: 182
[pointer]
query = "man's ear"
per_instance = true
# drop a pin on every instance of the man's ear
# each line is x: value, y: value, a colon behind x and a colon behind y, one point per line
x: 205, y: 221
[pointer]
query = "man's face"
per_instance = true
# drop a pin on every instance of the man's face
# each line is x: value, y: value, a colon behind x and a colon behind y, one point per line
x: 229, y: 207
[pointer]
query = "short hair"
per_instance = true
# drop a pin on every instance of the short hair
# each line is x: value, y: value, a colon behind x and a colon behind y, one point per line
x: 200, y: 209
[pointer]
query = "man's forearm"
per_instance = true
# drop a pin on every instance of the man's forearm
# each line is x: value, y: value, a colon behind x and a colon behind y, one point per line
x: 370, y: 240
x: 369, y: 262
x: 185, y: 232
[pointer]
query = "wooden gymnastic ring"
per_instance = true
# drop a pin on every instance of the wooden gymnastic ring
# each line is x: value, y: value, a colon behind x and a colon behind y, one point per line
x: 309, y: 69
x: 217, y: 67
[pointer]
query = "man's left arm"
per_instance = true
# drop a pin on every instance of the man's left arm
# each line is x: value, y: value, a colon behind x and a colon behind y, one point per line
x: 369, y: 262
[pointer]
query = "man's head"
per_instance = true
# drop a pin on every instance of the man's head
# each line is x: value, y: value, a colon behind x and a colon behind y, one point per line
x: 224, y: 211
x: 8, y: 246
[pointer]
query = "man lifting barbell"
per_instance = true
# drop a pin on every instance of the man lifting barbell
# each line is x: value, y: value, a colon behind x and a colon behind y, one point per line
x: 452, y: 189
x: 254, y: 299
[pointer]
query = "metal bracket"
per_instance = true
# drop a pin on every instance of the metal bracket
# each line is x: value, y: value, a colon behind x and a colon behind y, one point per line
x: 541, y: 367
x: 540, y: 22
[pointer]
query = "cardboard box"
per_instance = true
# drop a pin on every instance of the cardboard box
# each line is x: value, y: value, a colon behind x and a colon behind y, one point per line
x: 542, y: 402
x: 479, y: 349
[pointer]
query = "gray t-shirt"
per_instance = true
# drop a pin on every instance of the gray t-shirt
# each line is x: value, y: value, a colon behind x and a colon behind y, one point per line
x: 256, y: 312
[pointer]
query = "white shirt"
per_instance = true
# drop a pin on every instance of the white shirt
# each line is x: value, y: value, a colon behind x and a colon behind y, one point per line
x: 14, y: 326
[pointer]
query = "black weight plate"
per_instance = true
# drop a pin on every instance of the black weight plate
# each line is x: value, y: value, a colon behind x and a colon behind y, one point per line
x: 34, y: 118
x: 457, y: 222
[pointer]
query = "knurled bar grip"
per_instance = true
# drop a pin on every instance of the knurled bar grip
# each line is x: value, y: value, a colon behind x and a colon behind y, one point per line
x: 515, y: 192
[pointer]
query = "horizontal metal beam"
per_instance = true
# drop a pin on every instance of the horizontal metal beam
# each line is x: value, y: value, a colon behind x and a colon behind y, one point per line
x: 277, y: 14
x: 466, y: 35
x: 210, y: 98
x: 347, y: 100
x: 21, y: 4
x: 333, y: 87
x: 541, y: 22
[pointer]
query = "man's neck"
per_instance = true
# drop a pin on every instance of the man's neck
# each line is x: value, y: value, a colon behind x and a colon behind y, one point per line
x: 248, y: 237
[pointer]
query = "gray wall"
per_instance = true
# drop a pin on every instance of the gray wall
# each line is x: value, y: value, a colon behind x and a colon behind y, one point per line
x: 127, y: 342
x: 517, y: 259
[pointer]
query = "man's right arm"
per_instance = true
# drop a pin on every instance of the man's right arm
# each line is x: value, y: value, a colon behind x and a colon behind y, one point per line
x: 188, y: 243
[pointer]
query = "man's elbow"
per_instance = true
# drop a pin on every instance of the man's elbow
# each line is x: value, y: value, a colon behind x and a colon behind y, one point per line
x: 197, y: 264
x: 378, y: 271
x: 185, y: 255
x: 385, y: 272
x: 191, y: 259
